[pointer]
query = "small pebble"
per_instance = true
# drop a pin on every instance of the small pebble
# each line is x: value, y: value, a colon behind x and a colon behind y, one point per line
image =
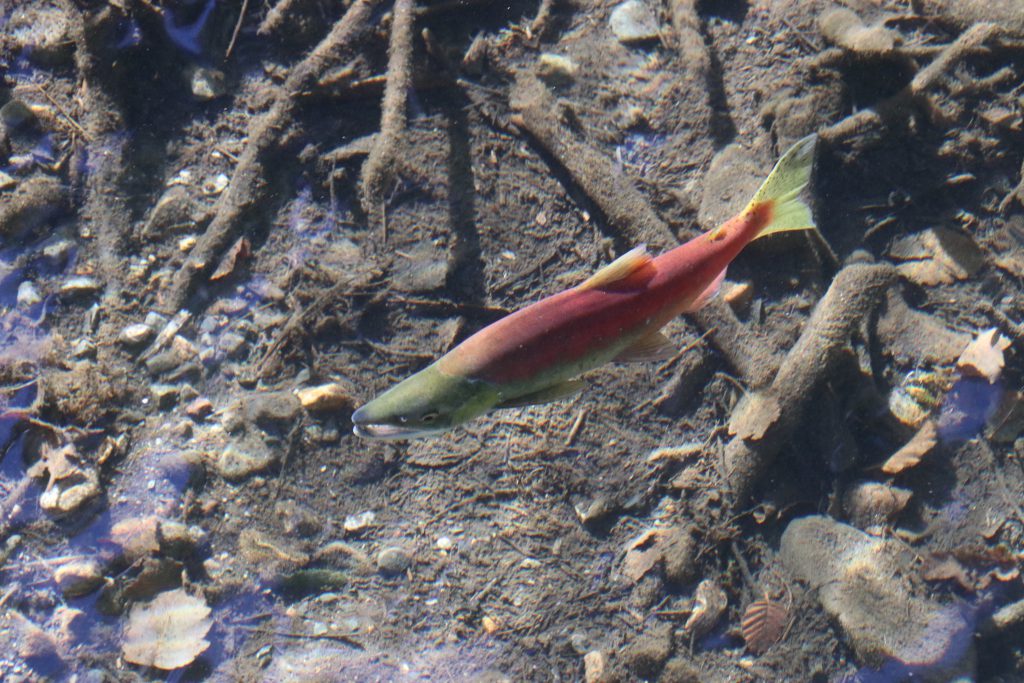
x: 16, y: 114
x: 490, y: 624
x: 135, y: 334
x: 199, y: 408
x: 28, y: 295
x: 556, y: 69
x: 78, y: 578
x: 634, y: 22
x: 80, y: 286
x: 215, y: 185
x: 83, y: 348
x: 58, y: 252
x: 6, y: 181
x: 393, y: 560
x: 445, y: 543
x: 325, y: 397
x: 354, y: 523
x: 164, y: 395
x: 207, y: 84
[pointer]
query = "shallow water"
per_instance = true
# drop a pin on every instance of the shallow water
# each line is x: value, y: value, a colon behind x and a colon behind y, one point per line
x: 210, y: 256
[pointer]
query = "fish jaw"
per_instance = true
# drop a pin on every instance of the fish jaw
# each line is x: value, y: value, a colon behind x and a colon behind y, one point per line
x: 426, y: 403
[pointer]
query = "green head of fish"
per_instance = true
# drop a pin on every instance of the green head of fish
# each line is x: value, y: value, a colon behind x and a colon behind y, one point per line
x: 429, y: 401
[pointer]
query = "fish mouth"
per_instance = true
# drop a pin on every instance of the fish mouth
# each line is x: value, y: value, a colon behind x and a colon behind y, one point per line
x: 364, y: 426
x: 370, y: 430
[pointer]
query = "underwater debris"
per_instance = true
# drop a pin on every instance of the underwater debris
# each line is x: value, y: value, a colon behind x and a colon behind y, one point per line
x: 911, y: 453
x: 167, y: 633
x: 709, y: 603
x: 863, y: 583
x: 78, y: 577
x: 673, y: 547
x: 763, y: 623
x: 918, y: 394
x: 937, y: 256
x: 983, y: 357
x: 771, y: 414
x: 71, y: 481
x: 842, y: 27
x: 870, y: 504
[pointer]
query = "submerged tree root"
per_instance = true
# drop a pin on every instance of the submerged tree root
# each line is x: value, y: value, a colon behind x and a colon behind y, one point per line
x: 893, y: 112
x: 629, y: 213
x: 383, y: 162
x: 248, y: 184
x: 766, y: 419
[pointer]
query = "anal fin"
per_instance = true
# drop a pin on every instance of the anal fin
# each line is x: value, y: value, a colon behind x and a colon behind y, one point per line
x: 654, y: 346
x: 556, y: 392
x: 630, y: 265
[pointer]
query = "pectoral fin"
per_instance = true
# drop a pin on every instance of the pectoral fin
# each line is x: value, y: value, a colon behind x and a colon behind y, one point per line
x: 635, y: 263
x: 550, y: 394
x: 654, y: 346
x: 707, y: 295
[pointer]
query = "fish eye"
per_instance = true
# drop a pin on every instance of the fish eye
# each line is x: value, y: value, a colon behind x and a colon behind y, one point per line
x: 428, y: 417
x: 403, y: 419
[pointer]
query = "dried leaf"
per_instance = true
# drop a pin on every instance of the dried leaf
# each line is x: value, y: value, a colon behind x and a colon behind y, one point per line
x: 169, y: 632
x: 239, y: 251
x: 642, y: 555
x: 754, y: 417
x: 912, y: 452
x: 763, y: 624
x: 937, y: 256
x: 945, y: 567
x: 983, y: 357
x: 709, y: 603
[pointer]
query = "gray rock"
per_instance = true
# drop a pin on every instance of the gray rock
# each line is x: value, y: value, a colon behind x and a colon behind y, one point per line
x: 235, y: 464
x: 393, y: 560
x: 80, y: 286
x: 164, y: 395
x: 58, y: 252
x: 863, y: 583
x: 78, y: 578
x: 136, y: 334
x: 28, y: 295
x: 634, y: 22
x: 207, y: 84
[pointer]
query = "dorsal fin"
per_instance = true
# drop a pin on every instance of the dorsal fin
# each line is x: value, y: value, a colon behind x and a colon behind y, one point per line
x: 629, y: 264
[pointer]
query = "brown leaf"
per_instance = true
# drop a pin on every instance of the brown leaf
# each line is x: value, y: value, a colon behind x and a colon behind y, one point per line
x: 238, y: 252
x: 755, y: 417
x: 983, y: 357
x: 945, y: 567
x: 763, y: 624
x: 169, y: 632
x: 912, y: 452
x: 937, y: 256
x: 642, y: 555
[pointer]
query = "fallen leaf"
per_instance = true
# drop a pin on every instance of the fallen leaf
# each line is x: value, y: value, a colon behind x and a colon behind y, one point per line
x: 915, y: 449
x: 983, y: 357
x: 642, y: 555
x: 945, y: 567
x: 239, y: 251
x: 937, y: 256
x: 763, y: 624
x: 168, y: 632
x: 754, y: 417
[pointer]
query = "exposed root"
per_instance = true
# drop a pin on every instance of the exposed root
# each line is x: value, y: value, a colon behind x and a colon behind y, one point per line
x: 892, y: 112
x: 248, y: 186
x: 382, y: 165
x: 765, y: 420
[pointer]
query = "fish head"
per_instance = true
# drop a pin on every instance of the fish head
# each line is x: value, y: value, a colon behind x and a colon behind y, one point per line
x: 430, y: 401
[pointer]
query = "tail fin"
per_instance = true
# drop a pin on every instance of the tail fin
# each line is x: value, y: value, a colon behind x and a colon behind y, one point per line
x: 782, y: 188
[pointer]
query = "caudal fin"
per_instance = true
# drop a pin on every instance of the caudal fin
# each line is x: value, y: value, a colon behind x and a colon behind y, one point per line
x: 781, y: 190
